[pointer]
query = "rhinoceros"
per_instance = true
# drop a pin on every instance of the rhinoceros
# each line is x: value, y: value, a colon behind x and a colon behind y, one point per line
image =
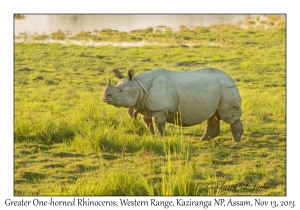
x: 181, y: 98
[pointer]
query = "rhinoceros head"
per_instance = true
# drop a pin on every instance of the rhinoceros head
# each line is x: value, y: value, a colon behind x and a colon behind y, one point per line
x: 125, y: 94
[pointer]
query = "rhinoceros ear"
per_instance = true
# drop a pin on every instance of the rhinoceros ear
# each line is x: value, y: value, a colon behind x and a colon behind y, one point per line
x: 118, y: 74
x: 130, y: 74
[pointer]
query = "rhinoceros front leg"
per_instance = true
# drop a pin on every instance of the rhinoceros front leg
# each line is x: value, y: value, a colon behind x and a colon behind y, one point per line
x: 159, y: 121
x: 212, y: 127
x: 237, y: 130
x: 148, y: 123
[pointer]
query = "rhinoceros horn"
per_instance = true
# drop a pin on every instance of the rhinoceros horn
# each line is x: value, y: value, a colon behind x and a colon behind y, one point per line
x: 108, y: 83
x: 108, y: 86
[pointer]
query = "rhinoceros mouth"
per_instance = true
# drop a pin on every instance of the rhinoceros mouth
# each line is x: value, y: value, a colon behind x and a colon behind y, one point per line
x: 108, y: 100
x: 111, y: 101
x: 105, y: 100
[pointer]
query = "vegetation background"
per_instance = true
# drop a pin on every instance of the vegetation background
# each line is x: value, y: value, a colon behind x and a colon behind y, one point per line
x: 68, y: 142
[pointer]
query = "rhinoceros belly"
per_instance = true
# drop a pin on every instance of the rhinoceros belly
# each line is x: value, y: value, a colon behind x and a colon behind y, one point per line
x: 198, y: 96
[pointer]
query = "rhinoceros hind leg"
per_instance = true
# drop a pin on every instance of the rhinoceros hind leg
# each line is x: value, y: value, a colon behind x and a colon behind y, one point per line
x: 237, y: 130
x: 212, y: 127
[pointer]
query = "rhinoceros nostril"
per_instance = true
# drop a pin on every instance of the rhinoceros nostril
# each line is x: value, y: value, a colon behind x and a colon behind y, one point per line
x: 108, y: 95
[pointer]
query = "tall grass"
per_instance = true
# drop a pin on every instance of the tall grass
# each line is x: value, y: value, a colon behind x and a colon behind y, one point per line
x: 176, y: 178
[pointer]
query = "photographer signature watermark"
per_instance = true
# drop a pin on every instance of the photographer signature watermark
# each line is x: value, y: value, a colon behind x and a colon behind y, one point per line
x: 222, y: 185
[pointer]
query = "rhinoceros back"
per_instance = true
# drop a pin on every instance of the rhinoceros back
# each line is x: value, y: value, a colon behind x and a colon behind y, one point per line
x: 214, y: 90
x: 196, y: 95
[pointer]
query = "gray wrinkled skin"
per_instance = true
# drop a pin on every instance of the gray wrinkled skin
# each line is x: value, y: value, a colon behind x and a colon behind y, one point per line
x: 181, y: 98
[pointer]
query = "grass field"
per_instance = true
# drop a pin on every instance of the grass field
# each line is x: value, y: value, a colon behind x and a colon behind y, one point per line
x: 68, y: 142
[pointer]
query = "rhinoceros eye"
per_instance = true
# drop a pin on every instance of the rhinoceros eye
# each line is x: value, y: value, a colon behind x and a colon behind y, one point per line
x: 121, y: 90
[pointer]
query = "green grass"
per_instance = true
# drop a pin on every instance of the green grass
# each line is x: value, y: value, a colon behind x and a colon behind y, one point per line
x: 68, y: 142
